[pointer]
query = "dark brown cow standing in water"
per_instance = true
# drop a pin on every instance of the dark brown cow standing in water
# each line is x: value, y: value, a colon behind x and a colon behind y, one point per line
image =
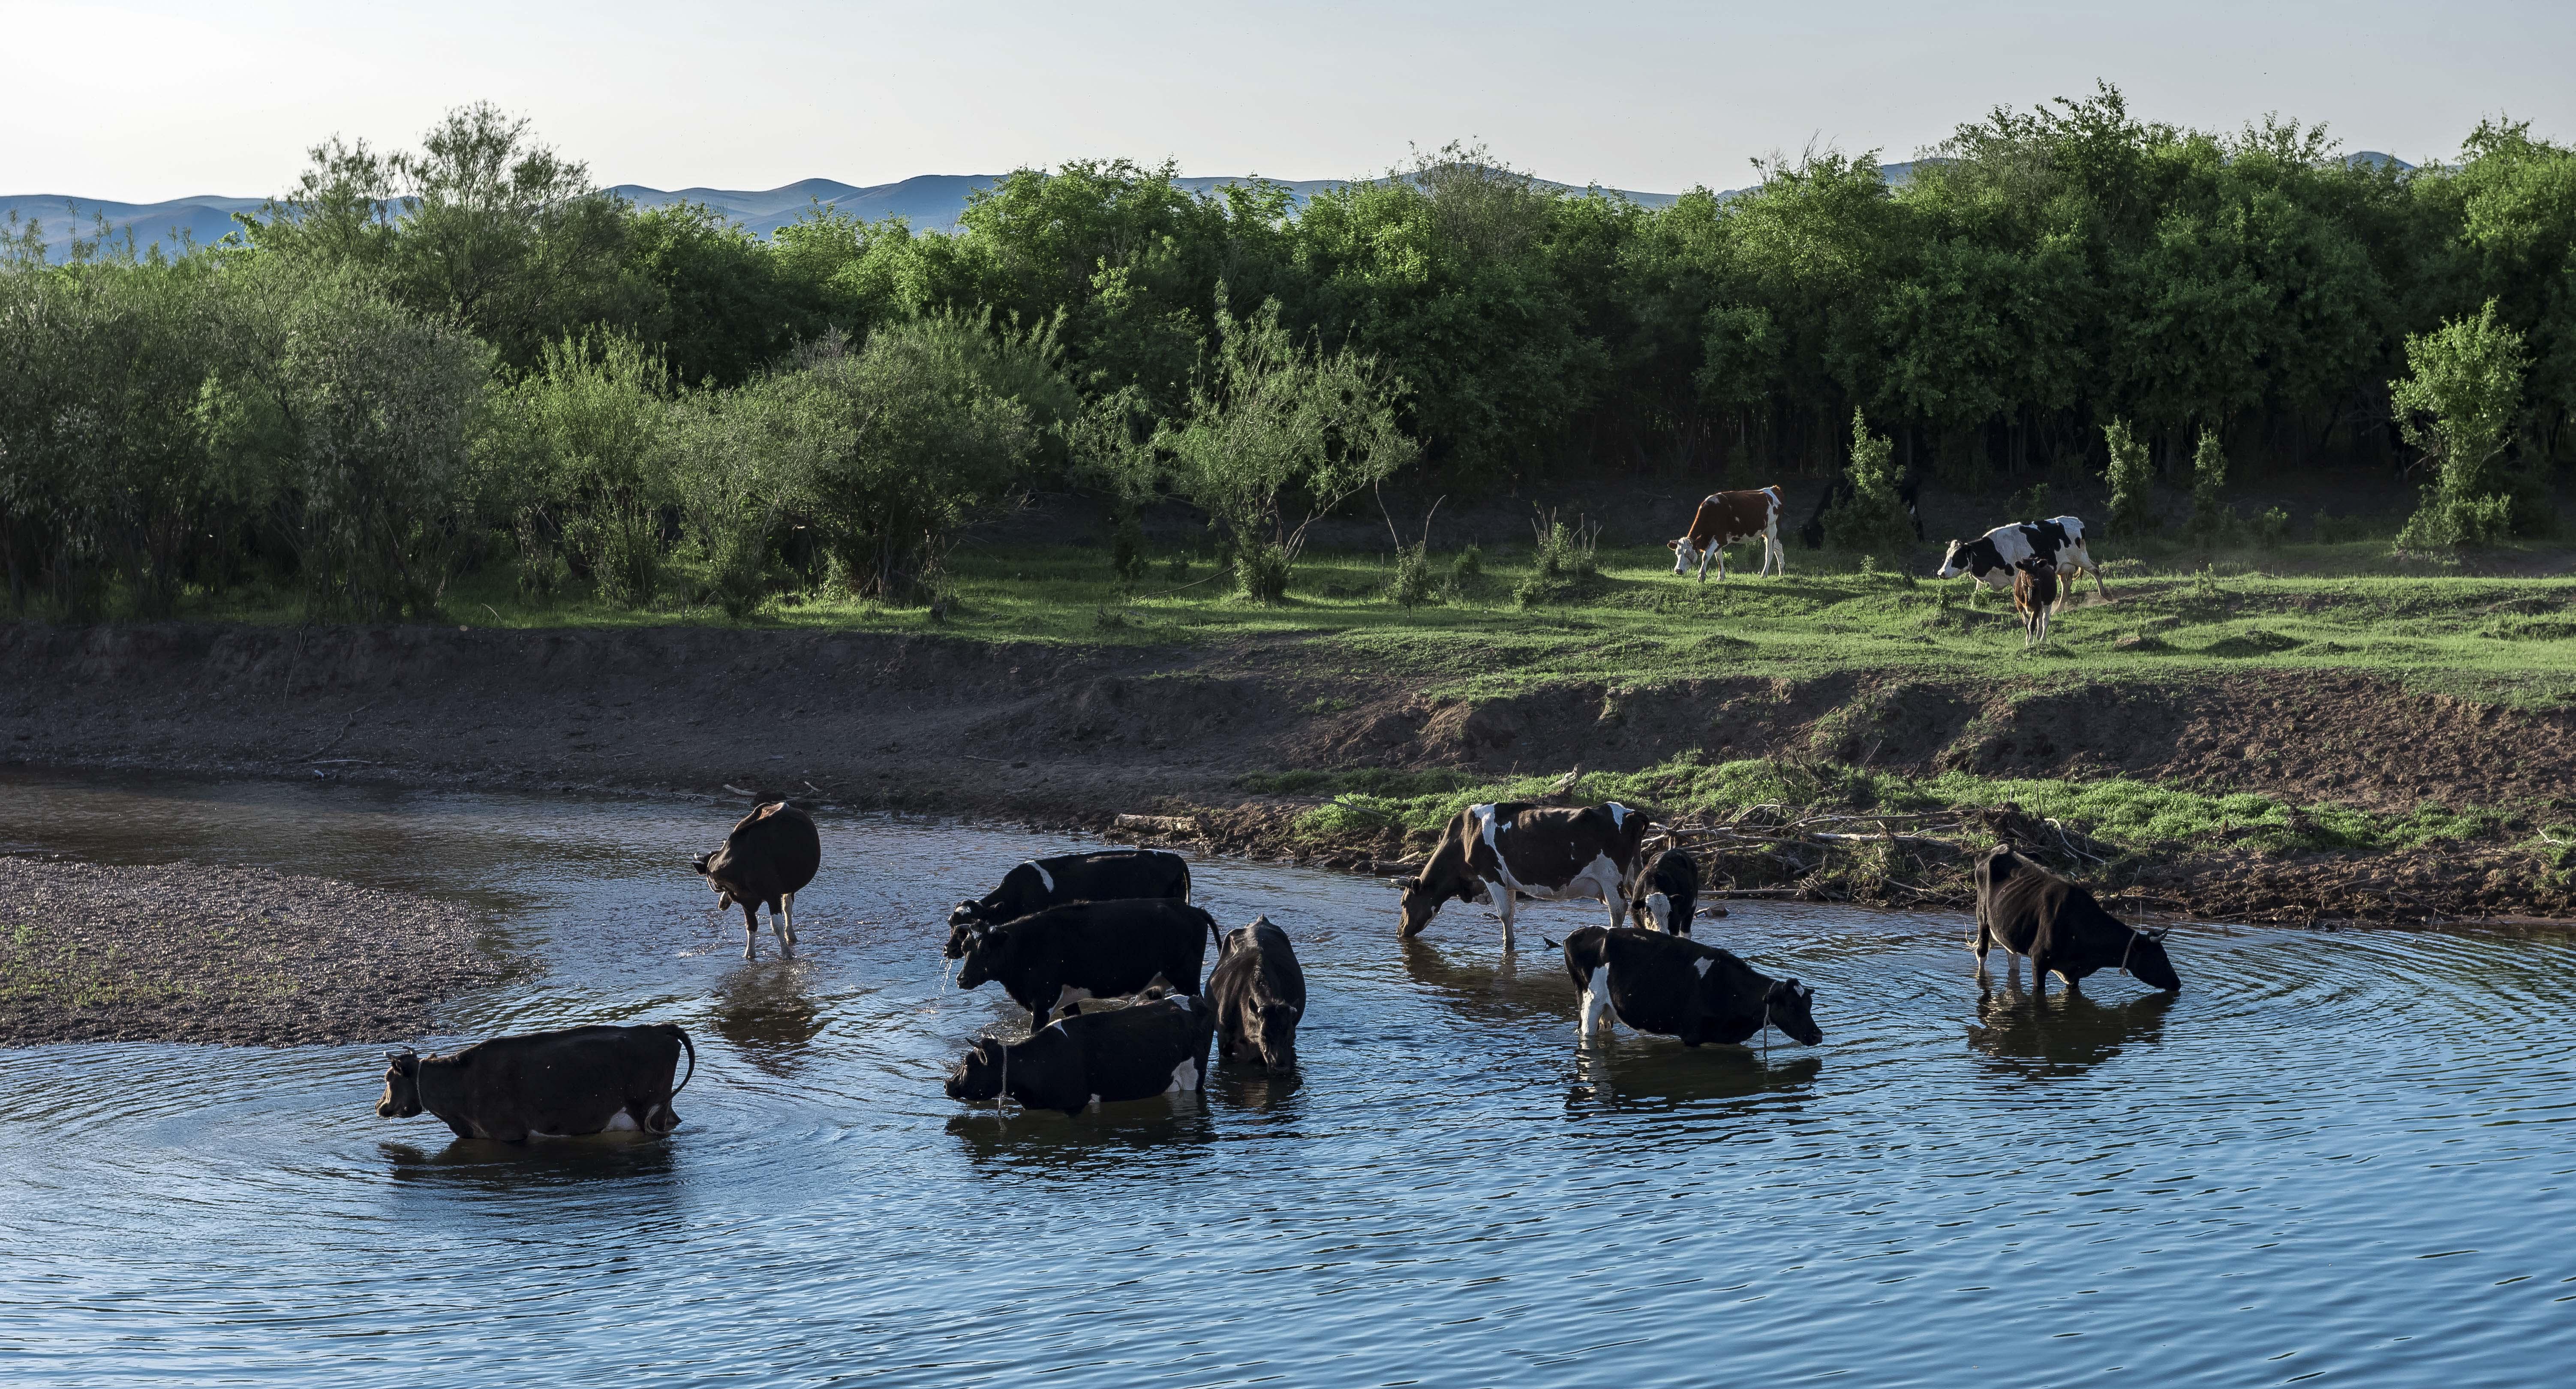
x: 1259, y: 992
x: 2030, y: 911
x: 769, y: 857
x: 1492, y: 853
x: 1724, y: 518
x: 578, y: 1080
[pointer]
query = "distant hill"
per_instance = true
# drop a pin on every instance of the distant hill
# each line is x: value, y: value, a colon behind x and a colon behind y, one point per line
x: 931, y: 202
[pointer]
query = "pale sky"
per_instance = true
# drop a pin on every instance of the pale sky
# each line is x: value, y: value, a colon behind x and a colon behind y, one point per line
x: 151, y: 99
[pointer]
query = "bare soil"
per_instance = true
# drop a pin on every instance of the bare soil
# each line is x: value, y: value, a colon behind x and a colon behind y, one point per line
x: 1079, y: 736
x: 251, y: 957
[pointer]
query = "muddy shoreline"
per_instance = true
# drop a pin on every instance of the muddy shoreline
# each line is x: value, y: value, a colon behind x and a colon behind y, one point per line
x: 186, y: 952
x: 1076, y: 738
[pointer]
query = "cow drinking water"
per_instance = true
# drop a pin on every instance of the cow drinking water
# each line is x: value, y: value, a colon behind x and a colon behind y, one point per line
x: 2030, y: 911
x: 1260, y: 995
x: 770, y: 856
x: 1105, y: 876
x: 1090, y: 950
x: 1154, y: 1047
x: 1493, y: 853
x: 1724, y: 518
x: 1661, y: 983
x: 545, y: 1084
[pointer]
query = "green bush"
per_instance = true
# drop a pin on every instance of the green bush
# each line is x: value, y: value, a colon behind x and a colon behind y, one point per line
x: 1410, y: 587
x: 2132, y: 478
x: 1873, y: 517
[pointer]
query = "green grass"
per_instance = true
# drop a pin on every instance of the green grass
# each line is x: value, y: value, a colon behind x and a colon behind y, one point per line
x: 2347, y: 606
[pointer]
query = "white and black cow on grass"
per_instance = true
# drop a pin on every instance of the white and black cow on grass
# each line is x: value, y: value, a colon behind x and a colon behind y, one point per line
x: 1090, y: 950
x: 1667, y: 893
x: 579, y: 1080
x: 2030, y: 911
x: 1107, y: 875
x: 1663, y: 983
x: 1992, y: 559
x: 1724, y: 518
x: 1152, y: 1047
x: 1491, y: 853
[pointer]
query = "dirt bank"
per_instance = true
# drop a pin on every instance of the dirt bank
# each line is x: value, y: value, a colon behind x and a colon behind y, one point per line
x: 187, y: 953
x: 1078, y: 735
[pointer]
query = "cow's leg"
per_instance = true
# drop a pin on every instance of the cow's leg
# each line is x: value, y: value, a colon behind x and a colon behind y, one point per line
x: 1503, y: 896
x: 751, y: 930
x: 787, y: 901
x: 1596, y: 1000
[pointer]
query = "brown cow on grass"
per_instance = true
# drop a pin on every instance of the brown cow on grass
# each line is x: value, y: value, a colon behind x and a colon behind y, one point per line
x: 1494, y: 853
x: 2035, y: 591
x: 1724, y: 518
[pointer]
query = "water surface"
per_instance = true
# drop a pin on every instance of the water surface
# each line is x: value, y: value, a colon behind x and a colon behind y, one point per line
x: 2336, y: 1157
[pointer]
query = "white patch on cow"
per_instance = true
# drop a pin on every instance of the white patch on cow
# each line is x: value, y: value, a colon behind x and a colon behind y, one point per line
x: 1069, y: 994
x: 622, y: 1122
x: 1703, y: 963
x: 1044, y: 877
x: 1596, y: 1001
x: 1618, y: 813
x: 1659, y: 909
x: 1095, y: 1100
x: 1185, y: 1076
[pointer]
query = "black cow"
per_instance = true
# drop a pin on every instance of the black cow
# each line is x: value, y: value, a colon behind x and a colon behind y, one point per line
x: 770, y: 856
x: 1909, y: 490
x: 1259, y: 994
x: 1667, y: 894
x: 2030, y: 911
x: 1106, y: 876
x: 1669, y: 984
x: 1133, y: 1053
x: 1090, y: 950
x: 545, y: 1084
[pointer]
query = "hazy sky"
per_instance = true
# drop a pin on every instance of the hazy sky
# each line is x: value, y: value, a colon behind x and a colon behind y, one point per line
x: 152, y: 99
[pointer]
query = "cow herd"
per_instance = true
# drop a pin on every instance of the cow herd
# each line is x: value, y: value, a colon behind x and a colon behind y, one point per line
x: 1104, y: 950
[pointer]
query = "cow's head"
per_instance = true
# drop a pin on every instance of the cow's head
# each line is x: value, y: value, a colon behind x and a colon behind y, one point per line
x: 1685, y: 554
x: 1788, y: 1006
x: 2148, y: 961
x: 1418, y: 905
x: 988, y: 955
x: 1954, y: 561
x: 705, y: 866
x: 978, y: 1074
x: 1654, y: 911
x: 962, y: 931
x: 401, y: 1099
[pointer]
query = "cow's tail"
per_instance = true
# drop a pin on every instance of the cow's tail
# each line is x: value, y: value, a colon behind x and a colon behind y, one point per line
x: 683, y: 1034
x: 1187, y: 887
x: 1216, y: 937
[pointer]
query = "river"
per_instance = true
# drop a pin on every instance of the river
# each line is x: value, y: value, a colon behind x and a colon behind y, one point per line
x: 2342, y: 1157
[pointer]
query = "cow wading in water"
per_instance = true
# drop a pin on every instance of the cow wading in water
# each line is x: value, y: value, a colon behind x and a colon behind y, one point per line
x: 1656, y: 982
x: 1090, y: 950
x: 1724, y: 518
x: 1106, y: 876
x: 579, y: 1080
x: 1493, y: 852
x: 1260, y: 995
x: 2030, y: 911
x: 1151, y: 1047
x: 1995, y: 558
x: 770, y: 856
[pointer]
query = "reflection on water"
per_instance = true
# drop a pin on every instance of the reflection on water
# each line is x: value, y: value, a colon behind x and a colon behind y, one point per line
x: 2335, y: 1156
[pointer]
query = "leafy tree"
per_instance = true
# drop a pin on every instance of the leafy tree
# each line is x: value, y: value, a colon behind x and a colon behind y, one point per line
x: 2132, y: 479
x: 2457, y: 405
x: 1873, y: 518
x: 2211, y: 519
x: 579, y: 460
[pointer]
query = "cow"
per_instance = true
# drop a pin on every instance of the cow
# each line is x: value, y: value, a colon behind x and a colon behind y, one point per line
x: 1724, y: 518
x: 1494, y: 853
x: 1090, y: 950
x: 1992, y: 558
x: 1133, y: 1053
x: 1667, y: 893
x: 1678, y: 987
x: 1908, y: 491
x: 2034, y: 589
x: 1105, y: 876
x: 578, y: 1080
x: 2030, y: 911
x: 770, y: 855
x: 1259, y: 994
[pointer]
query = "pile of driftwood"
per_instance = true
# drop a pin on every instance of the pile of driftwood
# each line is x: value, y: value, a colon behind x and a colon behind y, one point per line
x: 1913, y: 858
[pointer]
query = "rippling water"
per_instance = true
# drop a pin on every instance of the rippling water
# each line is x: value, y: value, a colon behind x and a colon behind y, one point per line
x: 2340, y: 1157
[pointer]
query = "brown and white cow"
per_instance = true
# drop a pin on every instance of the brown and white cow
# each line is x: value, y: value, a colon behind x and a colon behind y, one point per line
x: 1724, y: 518
x: 1495, y: 853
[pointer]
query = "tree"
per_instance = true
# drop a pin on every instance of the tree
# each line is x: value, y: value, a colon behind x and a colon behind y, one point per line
x: 1873, y: 519
x: 2132, y: 478
x: 1274, y: 431
x: 579, y: 460
x: 2457, y: 405
x: 2211, y: 520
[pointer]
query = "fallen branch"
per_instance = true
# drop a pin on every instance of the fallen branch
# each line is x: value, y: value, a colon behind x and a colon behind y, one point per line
x: 344, y: 730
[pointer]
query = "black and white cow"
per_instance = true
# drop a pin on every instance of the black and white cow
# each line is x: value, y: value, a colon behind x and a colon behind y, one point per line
x: 1107, y: 875
x: 1133, y: 1053
x: 1678, y: 987
x: 1991, y: 559
x: 1491, y: 853
x: 1260, y: 995
x: 1667, y: 894
x: 2030, y: 911
x: 1088, y: 950
x: 599, y: 1079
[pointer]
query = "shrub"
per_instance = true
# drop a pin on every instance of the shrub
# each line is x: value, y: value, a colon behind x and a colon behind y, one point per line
x: 2272, y: 528
x: 1411, y: 585
x: 2213, y: 522
x: 2132, y: 478
x: 2456, y: 403
x: 1873, y: 517
x: 1261, y: 572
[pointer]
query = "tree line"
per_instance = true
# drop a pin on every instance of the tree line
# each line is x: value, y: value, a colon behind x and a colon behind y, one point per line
x: 416, y: 362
